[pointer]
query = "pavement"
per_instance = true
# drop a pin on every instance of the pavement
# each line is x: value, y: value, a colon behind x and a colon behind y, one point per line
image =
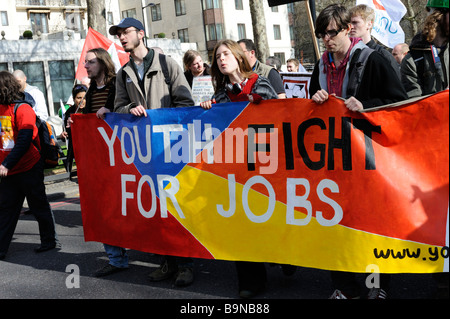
x: 67, y: 273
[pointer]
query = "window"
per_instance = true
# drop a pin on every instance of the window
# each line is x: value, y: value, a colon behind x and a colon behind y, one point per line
x: 281, y: 56
x: 290, y: 8
x: 35, y: 74
x: 242, y: 34
x: 73, y: 20
x: 3, y: 66
x: 39, y: 22
x: 276, y: 32
x: 4, y: 17
x: 214, y: 32
x: 238, y: 5
x: 180, y: 7
x: 72, y: 3
x: 183, y: 35
x: 131, y: 13
x: 156, y: 12
x: 61, y: 79
x: 274, y: 9
x: 212, y: 4
x: 110, y: 18
x: 36, y: 2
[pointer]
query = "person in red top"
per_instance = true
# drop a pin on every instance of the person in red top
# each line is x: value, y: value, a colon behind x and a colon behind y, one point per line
x: 21, y: 168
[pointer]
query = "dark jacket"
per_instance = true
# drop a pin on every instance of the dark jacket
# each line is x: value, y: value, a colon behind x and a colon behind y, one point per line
x: 378, y: 84
x: 386, y: 54
x: 420, y: 75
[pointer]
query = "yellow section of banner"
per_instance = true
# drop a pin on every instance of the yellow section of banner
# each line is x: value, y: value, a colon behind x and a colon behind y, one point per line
x: 259, y: 233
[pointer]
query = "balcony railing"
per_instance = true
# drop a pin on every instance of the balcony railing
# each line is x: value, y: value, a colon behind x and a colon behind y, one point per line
x: 50, y: 3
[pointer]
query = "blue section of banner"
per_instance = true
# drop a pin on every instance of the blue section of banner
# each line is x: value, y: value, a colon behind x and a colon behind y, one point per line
x: 161, y: 124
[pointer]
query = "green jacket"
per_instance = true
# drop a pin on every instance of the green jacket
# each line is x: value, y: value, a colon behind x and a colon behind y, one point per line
x: 154, y: 93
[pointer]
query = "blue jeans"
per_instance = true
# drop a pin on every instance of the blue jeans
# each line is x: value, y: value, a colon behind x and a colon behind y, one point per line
x: 117, y: 256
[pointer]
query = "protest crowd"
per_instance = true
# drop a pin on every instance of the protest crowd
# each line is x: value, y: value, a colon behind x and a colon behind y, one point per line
x: 353, y: 68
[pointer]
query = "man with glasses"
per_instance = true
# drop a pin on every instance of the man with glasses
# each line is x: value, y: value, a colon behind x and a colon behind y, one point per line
x: 351, y: 70
x: 267, y: 71
x: 151, y: 80
x: 348, y: 68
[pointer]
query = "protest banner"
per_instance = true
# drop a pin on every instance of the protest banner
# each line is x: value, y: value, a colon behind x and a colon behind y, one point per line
x: 285, y: 181
x: 296, y: 85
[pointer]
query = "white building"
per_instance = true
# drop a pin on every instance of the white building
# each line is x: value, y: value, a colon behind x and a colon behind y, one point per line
x: 59, y: 27
x: 204, y: 22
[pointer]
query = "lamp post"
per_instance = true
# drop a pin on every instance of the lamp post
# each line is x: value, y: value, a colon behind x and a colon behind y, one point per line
x: 144, y: 14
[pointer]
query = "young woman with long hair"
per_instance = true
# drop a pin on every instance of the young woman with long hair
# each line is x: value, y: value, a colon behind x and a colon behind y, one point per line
x: 233, y: 78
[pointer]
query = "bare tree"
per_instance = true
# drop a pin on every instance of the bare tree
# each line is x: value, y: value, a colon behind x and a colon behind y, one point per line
x: 259, y: 29
x: 96, y: 15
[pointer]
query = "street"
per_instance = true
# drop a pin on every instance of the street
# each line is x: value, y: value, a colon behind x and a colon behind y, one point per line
x: 25, y: 274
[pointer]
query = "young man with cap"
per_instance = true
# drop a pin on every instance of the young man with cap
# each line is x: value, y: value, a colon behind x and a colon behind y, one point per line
x: 151, y: 80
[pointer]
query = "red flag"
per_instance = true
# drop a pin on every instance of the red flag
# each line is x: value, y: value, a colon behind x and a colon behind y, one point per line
x: 95, y: 39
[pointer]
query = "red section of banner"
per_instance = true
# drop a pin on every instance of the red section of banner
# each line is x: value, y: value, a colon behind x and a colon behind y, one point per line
x: 95, y: 39
x: 404, y: 189
x: 101, y: 202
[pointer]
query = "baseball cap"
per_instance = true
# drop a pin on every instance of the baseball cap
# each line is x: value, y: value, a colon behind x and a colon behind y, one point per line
x: 126, y: 23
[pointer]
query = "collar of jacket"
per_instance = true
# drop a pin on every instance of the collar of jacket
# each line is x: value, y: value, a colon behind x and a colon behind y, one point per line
x: 148, y: 60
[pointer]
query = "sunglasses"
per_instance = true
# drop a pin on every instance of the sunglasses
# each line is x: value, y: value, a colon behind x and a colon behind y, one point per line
x: 329, y: 33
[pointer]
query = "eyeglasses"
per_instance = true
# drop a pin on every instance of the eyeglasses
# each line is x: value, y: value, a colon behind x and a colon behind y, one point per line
x: 329, y: 33
x: 90, y: 62
x: 126, y: 32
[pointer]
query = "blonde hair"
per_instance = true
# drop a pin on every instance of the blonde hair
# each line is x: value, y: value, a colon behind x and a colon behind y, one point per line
x: 189, y: 57
x: 365, y: 12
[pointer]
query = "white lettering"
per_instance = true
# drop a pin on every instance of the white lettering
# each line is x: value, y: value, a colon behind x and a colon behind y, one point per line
x: 271, y: 207
x: 109, y: 142
x: 297, y: 201
x: 126, y: 195
x: 338, y: 213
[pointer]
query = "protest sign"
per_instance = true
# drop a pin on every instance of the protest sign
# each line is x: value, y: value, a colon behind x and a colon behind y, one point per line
x: 202, y: 89
x: 296, y: 85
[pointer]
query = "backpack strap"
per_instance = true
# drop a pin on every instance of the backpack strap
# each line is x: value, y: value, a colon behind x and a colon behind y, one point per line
x: 38, y: 122
x: 357, y: 66
x: 164, y: 68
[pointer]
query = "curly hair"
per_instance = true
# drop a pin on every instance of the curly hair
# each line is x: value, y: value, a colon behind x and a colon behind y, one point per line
x: 435, y: 21
x: 220, y: 80
x: 10, y: 89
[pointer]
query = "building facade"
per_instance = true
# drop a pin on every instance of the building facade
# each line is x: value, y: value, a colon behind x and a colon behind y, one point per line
x: 205, y: 22
x: 44, y: 38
